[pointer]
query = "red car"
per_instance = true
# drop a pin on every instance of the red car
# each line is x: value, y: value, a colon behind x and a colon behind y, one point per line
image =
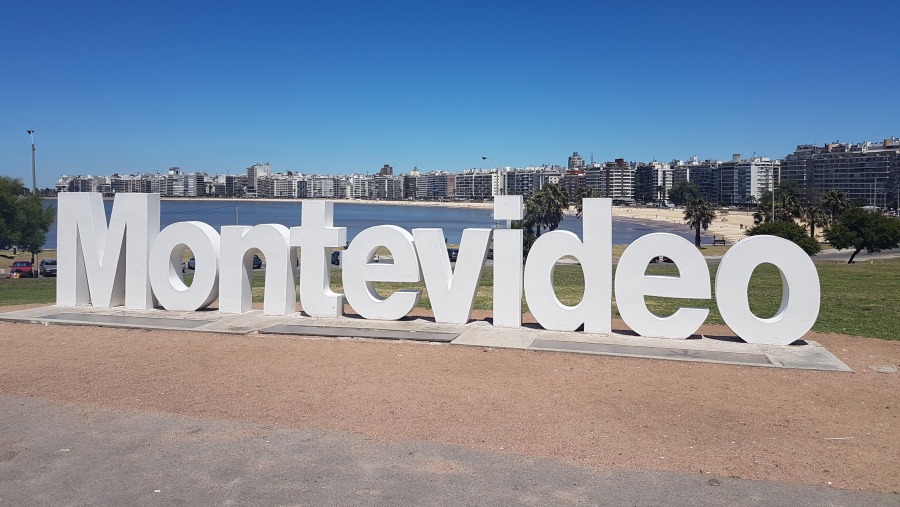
x: 21, y: 269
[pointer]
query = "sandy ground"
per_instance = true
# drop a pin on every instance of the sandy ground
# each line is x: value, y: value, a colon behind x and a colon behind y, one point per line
x: 594, y: 411
x: 730, y: 225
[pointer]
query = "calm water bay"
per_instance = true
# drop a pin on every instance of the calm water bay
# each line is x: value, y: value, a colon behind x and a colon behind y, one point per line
x: 358, y: 216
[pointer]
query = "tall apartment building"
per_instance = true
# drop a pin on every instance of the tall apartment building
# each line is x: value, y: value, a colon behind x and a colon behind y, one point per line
x: 704, y: 174
x: 735, y: 182
x: 612, y: 179
x: 652, y: 182
x: 359, y: 186
x: 572, y: 181
x: 868, y: 173
x: 477, y: 184
x: 681, y: 170
x: 386, y: 187
x: 755, y: 176
x: 325, y: 187
x: 438, y: 185
x: 253, y: 174
x: 235, y: 185
x: 576, y: 161
x: 411, y: 184
x: 129, y: 184
x: 526, y: 182
x: 80, y: 183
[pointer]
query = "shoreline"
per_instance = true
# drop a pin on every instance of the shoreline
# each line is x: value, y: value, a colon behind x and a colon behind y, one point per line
x: 728, y: 224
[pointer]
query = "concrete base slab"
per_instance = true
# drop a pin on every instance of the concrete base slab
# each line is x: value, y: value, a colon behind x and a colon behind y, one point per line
x: 673, y: 353
x: 728, y: 350
x: 384, y: 334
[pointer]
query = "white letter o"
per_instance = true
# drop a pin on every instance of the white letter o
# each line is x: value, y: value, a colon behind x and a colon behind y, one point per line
x: 165, y: 266
x: 800, y: 290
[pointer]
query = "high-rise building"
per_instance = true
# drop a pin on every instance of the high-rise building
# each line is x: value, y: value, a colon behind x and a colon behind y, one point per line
x: 612, y: 179
x: 253, y: 174
x: 572, y: 181
x: 576, y: 161
x: 477, y: 184
x: 652, y: 182
x: 868, y: 173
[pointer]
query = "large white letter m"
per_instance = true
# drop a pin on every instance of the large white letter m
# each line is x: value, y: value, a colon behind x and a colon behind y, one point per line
x: 102, y: 265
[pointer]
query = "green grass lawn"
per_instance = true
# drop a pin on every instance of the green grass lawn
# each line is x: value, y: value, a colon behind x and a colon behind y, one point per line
x: 858, y: 299
x: 24, y: 291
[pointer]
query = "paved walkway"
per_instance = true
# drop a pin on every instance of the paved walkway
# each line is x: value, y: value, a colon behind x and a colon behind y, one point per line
x: 56, y: 454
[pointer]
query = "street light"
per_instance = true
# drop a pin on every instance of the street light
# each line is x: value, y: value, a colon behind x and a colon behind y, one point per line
x: 499, y: 174
x: 33, y: 173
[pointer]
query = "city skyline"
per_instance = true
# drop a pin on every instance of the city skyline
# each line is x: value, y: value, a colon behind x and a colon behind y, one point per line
x: 859, y: 171
x: 338, y: 89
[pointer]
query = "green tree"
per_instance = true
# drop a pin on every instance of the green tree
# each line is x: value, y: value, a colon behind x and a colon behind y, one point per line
x: 35, y: 222
x: 860, y: 230
x: 683, y: 192
x: 788, y: 206
x: 544, y: 209
x: 582, y: 194
x: 813, y: 216
x: 833, y: 203
x: 528, y: 236
x: 11, y: 190
x: 23, y: 219
x: 698, y: 214
x: 820, y: 213
x: 789, y: 231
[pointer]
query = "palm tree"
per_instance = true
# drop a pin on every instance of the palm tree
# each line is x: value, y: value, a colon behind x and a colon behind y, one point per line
x: 698, y: 214
x: 787, y: 208
x: 790, y: 197
x: 833, y: 203
x: 813, y: 216
x: 544, y: 209
x: 553, y: 201
x: 584, y: 193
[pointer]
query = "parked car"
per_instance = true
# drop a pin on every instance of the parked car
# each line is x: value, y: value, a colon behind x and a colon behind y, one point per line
x: 490, y: 253
x: 336, y: 258
x: 661, y: 258
x: 192, y: 264
x: 453, y: 253
x: 257, y: 262
x: 47, y: 267
x: 21, y: 269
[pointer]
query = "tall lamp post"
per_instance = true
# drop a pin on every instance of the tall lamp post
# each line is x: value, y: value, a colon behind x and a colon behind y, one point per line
x: 502, y: 180
x: 499, y: 174
x: 33, y: 173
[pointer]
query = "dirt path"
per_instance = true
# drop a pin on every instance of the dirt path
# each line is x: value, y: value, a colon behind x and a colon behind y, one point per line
x: 593, y: 411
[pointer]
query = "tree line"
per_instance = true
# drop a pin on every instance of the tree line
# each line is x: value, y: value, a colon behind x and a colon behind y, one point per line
x: 24, y: 221
x: 787, y: 212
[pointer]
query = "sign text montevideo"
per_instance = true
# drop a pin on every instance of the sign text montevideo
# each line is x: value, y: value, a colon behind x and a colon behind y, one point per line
x: 129, y: 261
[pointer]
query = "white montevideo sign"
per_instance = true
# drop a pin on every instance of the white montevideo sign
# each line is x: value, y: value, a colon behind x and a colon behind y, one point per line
x: 130, y: 261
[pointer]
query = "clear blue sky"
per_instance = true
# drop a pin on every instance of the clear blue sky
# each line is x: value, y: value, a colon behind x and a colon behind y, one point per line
x: 338, y: 87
